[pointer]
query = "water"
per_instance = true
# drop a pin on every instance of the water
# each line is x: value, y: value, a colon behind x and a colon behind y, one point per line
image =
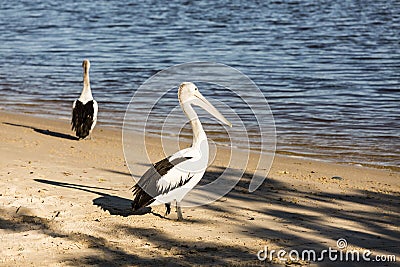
x: 329, y: 69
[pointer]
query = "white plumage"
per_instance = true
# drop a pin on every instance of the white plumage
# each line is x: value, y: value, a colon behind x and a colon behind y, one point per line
x: 85, y: 108
x: 172, y: 178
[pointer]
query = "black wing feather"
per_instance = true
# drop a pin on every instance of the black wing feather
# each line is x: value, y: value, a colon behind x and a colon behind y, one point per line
x: 145, y: 189
x: 82, y: 118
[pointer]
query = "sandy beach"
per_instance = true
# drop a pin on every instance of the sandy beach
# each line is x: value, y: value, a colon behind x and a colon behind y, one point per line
x: 65, y: 202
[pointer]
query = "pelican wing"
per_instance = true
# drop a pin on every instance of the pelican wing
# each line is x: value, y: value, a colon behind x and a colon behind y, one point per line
x: 82, y: 118
x: 153, y: 182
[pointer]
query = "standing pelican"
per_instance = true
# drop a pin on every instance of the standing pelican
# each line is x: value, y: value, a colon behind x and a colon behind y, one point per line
x: 173, y: 177
x: 84, y: 109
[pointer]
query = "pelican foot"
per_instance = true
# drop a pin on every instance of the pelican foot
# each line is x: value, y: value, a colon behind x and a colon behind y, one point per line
x: 179, y: 212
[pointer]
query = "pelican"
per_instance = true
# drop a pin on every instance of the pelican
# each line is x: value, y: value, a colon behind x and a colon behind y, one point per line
x: 173, y: 177
x: 84, y: 109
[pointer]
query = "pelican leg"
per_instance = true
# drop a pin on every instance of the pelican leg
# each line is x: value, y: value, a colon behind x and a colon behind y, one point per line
x: 179, y: 211
x: 167, y: 208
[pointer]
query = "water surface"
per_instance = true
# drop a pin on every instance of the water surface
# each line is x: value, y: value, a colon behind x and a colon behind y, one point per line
x: 329, y: 69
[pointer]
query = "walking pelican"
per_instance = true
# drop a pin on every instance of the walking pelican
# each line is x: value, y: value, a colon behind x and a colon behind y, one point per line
x: 173, y: 177
x: 84, y: 109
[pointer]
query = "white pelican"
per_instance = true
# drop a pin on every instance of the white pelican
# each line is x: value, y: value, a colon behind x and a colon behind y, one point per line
x: 84, y: 109
x: 173, y: 177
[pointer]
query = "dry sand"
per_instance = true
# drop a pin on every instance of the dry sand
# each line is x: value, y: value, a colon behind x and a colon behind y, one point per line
x: 66, y: 202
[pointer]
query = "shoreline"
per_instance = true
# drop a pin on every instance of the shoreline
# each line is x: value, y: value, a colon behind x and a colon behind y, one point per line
x: 65, y: 202
x: 277, y: 153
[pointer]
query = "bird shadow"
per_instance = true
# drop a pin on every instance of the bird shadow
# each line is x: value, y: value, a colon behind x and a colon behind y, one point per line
x: 282, y: 215
x: 45, y: 132
x: 115, y: 205
x: 116, y: 172
x: 118, y: 206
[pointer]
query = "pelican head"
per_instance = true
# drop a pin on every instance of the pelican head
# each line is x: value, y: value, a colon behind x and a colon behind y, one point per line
x: 188, y: 93
x: 86, y: 65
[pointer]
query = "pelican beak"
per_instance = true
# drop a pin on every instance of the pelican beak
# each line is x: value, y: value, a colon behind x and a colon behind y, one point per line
x: 201, y: 101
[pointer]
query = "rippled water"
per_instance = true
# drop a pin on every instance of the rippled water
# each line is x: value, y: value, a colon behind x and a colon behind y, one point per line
x: 329, y: 69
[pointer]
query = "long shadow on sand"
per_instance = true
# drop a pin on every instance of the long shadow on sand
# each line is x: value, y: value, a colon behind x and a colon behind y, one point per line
x: 176, y: 252
x: 377, y: 229
x: 115, y: 205
x: 45, y: 132
x: 275, y: 201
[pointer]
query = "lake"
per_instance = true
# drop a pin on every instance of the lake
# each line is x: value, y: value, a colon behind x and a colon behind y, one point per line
x: 330, y: 70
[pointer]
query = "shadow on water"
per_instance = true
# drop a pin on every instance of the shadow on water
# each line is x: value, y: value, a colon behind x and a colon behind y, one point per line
x: 45, y: 132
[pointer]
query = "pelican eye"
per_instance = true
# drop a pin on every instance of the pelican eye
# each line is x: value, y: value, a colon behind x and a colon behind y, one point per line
x: 196, y: 89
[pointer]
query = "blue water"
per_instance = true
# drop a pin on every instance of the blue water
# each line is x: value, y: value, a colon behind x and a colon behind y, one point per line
x: 329, y: 69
